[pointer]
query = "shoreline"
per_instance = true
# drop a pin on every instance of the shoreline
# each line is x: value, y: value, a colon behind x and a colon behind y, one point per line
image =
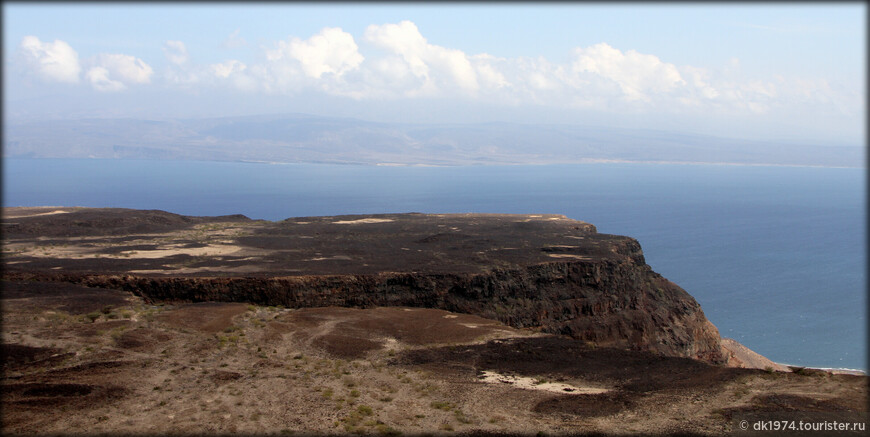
x: 582, y: 161
x: 831, y: 370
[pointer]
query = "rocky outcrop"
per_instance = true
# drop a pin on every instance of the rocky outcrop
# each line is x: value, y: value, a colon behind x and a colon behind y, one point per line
x: 618, y: 304
x: 599, y: 290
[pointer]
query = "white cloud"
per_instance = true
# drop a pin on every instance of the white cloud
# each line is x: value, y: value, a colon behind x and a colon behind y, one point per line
x: 176, y: 52
x: 398, y: 62
x: 225, y: 69
x: 55, y: 61
x: 330, y: 51
x: 236, y: 73
x: 114, y: 72
x: 99, y: 79
x: 637, y: 74
x: 438, y: 67
x: 488, y: 73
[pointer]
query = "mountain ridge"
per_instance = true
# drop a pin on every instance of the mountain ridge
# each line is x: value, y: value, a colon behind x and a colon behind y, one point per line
x: 303, y: 138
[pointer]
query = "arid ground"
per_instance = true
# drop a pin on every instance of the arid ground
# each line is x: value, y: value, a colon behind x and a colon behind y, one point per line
x: 83, y: 360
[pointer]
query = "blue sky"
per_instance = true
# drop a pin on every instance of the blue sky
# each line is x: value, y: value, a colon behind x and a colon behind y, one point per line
x: 774, y: 71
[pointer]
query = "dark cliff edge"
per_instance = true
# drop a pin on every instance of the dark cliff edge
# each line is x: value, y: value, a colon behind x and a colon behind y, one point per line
x: 607, y: 296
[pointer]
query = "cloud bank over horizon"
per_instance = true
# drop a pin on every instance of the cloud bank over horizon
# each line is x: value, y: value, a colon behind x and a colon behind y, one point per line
x: 396, y: 62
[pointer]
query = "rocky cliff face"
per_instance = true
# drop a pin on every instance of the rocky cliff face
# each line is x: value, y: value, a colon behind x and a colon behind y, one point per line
x: 600, y: 291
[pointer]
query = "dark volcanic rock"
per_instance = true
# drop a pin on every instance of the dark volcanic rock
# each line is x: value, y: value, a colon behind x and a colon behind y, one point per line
x: 542, y: 271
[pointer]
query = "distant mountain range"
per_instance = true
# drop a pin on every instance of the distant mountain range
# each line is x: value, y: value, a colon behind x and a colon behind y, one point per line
x: 307, y: 138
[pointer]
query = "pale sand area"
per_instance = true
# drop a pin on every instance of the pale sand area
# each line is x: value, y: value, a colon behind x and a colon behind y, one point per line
x: 362, y: 221
x: 57, y: 211
x: 76, y: 252
x: 742, y: 356
x: 567, y: 255
x: 526, y: 383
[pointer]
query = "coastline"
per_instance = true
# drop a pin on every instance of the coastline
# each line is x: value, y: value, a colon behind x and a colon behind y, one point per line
x: 584, y: 161
x: 831, y: 370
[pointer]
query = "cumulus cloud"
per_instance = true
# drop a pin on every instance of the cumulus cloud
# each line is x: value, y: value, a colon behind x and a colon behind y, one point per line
x: 402, y: 63
x: 437, y: 67
x: 638, y: 75
x: 114, y: 72
x: 176, y: 52
x: 330, y: 51
x: 55, y: 61
x: 99, y: 79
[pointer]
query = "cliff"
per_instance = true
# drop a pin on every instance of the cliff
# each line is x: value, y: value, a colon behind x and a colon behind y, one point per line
x: 530, y: 271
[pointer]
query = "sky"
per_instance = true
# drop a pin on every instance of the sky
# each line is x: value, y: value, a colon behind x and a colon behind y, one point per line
x: 778, y: 71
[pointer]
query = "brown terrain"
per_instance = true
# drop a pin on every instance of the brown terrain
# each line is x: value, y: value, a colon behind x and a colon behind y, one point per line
x: 127, y: 321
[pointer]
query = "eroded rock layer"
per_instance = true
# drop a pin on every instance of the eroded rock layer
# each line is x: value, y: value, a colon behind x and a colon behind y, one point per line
x: 544, y: 271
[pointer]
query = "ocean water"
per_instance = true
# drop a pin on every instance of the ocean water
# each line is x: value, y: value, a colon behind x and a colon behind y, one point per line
x: 775, y: 255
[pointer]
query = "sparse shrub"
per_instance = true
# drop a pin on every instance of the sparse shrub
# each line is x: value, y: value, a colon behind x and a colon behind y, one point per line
x: 446, y: 406
x: 387, y: 430
x: 365, y: 410
x: 461, y: 417
x: 354, y: 393
x: 93, y: 316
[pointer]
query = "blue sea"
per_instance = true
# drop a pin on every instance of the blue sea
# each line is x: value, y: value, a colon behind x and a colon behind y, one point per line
x: 775, y: 255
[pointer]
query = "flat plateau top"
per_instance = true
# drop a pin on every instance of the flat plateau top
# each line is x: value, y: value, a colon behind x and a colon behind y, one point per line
x: 158, y: 243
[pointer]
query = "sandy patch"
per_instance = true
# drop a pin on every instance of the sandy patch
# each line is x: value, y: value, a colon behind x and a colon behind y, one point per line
x: 167, y: 251
x: 362, y: 221
x: 221, y: 269
x: 742, y: 356
x: 331, y: 258
x: 210, y: 250
x: 57, y: 211
x: 527, y: 383
x: 566, y: 255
